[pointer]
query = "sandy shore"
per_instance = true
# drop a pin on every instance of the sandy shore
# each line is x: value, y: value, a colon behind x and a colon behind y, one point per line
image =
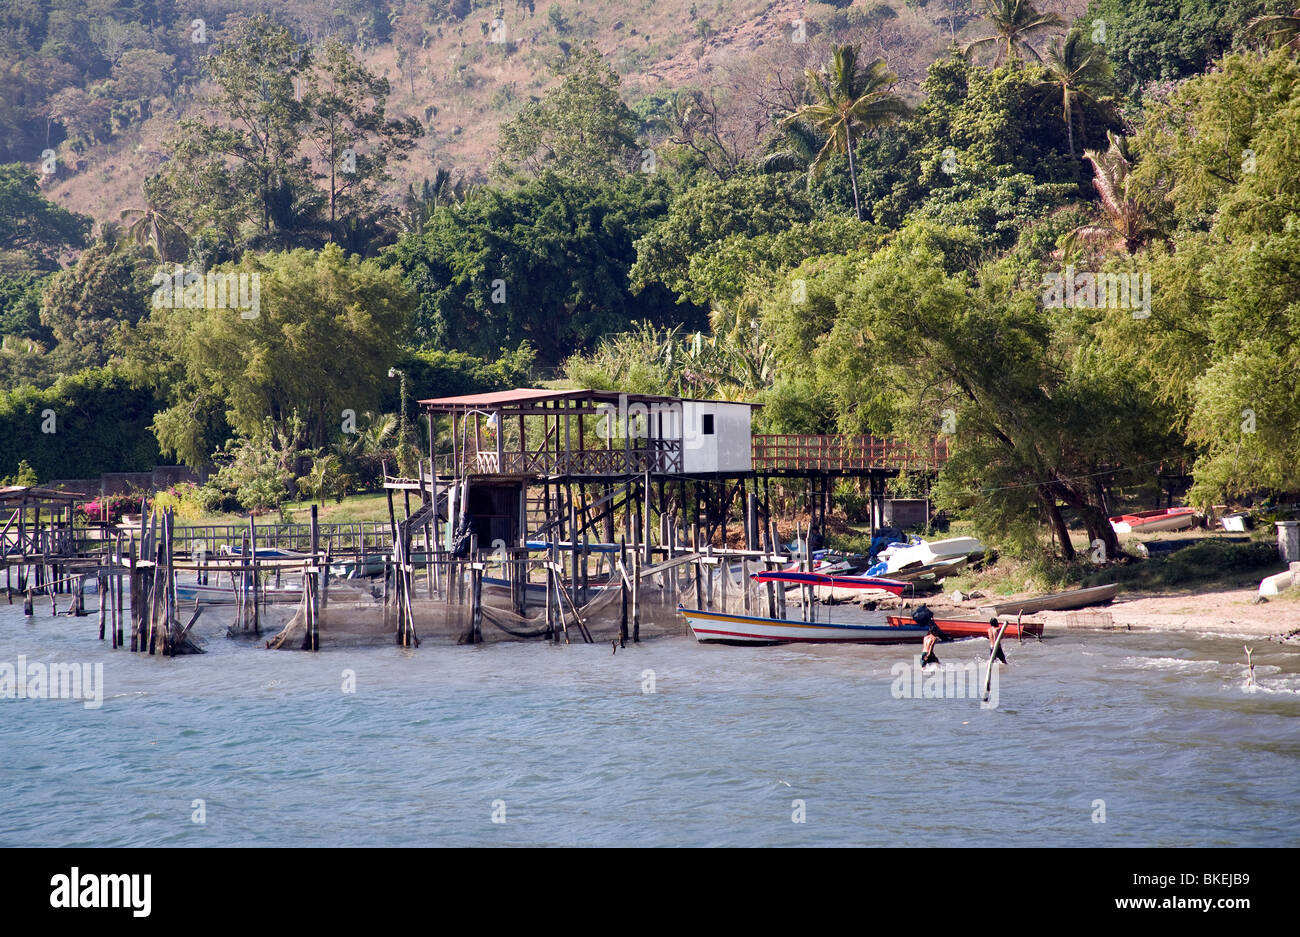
x: 1228, y: 612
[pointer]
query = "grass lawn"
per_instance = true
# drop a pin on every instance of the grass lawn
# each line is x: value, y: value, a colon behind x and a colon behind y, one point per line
x: 361, y: 507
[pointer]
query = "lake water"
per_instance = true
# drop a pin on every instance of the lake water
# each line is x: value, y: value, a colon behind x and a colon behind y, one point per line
x: 733, y: 745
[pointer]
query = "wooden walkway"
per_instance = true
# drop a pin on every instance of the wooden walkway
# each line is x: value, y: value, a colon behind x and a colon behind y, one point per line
x: 843, y: 453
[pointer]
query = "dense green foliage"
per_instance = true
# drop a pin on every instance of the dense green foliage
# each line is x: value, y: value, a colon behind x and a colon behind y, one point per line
x: 326, y: 330
x: 863, y: 263
x: 545, y: 263
x: 32, y: 229
x: 85, y: 424
x: 1161, y: 40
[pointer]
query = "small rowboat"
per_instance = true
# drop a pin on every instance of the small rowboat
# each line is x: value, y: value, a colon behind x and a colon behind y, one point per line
x: 1057, y: 601
x: 829, y: 579
x: 1143, y: 521
x: 969, y: 627
x: 723, y: 628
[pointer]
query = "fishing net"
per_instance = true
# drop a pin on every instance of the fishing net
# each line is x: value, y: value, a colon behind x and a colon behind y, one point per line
x: 350, y: 619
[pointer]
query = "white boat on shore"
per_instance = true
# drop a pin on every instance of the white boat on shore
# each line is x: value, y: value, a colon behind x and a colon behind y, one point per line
x: 725, y: 628
x: 926, y: 555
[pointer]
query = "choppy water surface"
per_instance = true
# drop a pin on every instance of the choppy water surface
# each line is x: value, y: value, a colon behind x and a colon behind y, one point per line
x: 567, y: 743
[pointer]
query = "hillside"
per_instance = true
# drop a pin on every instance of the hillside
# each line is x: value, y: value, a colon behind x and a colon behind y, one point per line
x: 461, y: 84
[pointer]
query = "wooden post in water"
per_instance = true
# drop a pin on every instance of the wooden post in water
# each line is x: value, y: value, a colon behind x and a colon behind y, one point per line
x: 636, y: 598
x: 574, y: 578
x: 135, y: 593
x: 699, y: 583
x: 315, y: 553
x: 476, y: 615
x: 256, y: 580
x: 780, y: 589
x: 121, y: 575
x: 623, y: 590
x: 708, y: 565
x: 152, y: 636
x: 169, y: 574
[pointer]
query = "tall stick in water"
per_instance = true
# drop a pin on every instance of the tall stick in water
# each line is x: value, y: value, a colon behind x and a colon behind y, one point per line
x: 993, y: 652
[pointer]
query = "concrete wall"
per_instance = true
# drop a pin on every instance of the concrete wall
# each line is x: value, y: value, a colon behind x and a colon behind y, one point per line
x: 906, y: 512
x: 118, y: 483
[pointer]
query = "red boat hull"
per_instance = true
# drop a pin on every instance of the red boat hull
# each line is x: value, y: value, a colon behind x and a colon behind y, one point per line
x: 967, y: 628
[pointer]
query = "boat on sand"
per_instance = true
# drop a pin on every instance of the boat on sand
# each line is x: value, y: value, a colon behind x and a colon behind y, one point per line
x: 1056, y: 601
x: 1144, y: 521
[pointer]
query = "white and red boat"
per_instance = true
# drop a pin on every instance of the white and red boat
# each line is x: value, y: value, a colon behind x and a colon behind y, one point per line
x: 1143, y: 521
x: 725, y: 628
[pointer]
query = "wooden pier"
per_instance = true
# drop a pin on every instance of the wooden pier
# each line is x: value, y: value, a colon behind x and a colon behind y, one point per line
x: 555, y: 514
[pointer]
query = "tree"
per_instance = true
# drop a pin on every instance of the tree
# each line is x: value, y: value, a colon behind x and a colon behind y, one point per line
x: 322, y: 479
x: 1039, y: 413
x: 87, y: 305
x: 849, y: 99
x: 20, y: 307
x: 247, y: 166
x: 1079, y: 74
x: 152, y: 225
x: 142, y: 75
x: 1281, y: 29
x: 1223, y: 335
x: 326, y: 329
x: 258, y: 468
x: 101, y: 424
x: 1014, y: 23
x: 545, y: 263
x: 581, y: 129
x: 420, y: 201
x: 33, y: 230
x: 353, y: 139
x: 1169, y: 40
x: 704, y: 216
x: 1128, y: 220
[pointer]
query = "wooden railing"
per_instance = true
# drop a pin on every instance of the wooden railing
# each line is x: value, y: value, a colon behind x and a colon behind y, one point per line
x: 795, y: 453
x: 663, y: 457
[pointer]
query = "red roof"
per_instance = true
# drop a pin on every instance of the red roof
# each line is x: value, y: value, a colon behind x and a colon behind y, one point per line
x: 518, y: 395
x: 527, y: 395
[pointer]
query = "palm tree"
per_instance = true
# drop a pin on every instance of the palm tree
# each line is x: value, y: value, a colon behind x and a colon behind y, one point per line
x: 1079, y: 74
x: 322, y: 478
x: 420, y: 201
x: 1127, y: 221
x: 1014, y: 22
x: 795, y: 150
x: 151, y: 225
x: 848, y: 98
x: 1283, y: 29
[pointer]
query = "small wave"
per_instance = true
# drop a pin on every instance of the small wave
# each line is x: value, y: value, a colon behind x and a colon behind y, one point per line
x: 1175, y: 664
x: 1258, y: 687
